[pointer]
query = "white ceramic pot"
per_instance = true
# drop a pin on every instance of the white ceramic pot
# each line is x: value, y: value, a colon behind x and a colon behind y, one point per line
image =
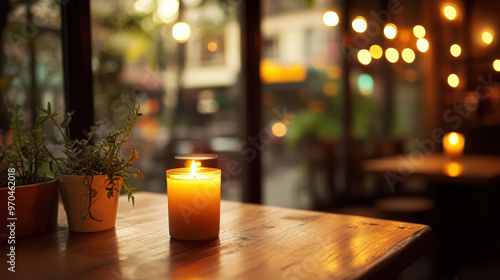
x: 76, y: 200
x: 35, y: 209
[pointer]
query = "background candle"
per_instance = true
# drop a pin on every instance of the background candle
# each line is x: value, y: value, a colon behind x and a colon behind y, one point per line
x: 193, y: 203
x: 453, y: 144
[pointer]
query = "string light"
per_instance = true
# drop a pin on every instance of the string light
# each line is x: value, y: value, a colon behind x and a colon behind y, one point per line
x: 392, y: 55
x: 359, y: 24
x: 455, y: 50
x: 331, y: 18
x: 376, y: 51
x: 364, y: 57
x: 487, y: 37
x: 453, y: 80
x: 408, y: 55
x: 496, y: 65
x: 419, y: 31
x: 390, y: 31
x: 450, y: 12
x: 422, y: 45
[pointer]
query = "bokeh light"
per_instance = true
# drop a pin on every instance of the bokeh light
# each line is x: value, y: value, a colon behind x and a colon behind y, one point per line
x: 487, y: 37
x: 144, y: 6
x: 453, y: 81
x: 419, y: 31
x: 450, y: 12
x: 422, y: 45
x: 496, y: 65
x: 376, y: 51
x: 279, y: 129
x: 408, y: 55
x: 392, y: 55
x: 212, y: 46
x: 390, y: 31
x: 181, y: 32
x: 455, y: 50
x: 167, y: 10
x: 330, y: 89
x: 364, y: 57
x: 365, y: 84
x: 331, y: 18
x: 359, y: 24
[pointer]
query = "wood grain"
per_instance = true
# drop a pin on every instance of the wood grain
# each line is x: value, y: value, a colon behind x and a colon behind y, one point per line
x: 255, y: 242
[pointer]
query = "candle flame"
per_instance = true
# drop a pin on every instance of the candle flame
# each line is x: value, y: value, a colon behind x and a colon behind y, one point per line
x: 193, y: 168
x: 453, y: 138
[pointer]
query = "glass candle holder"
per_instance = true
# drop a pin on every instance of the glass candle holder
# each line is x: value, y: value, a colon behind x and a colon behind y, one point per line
x: 202, y: 160
x: 193, y: 203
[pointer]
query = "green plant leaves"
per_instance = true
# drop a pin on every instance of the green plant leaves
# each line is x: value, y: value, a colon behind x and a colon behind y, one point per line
x: 89, y: 157
x: 27, y: 153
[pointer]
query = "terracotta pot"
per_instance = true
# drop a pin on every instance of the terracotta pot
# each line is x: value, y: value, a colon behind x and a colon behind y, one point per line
x: 75, y: 199
x: 36, y: 209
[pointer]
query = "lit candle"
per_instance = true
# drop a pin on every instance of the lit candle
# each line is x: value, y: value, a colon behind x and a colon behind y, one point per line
x: 453, y: 144
x: 193, y: 202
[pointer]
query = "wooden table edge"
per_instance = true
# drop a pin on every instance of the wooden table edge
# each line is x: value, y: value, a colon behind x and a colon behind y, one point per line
x: 416, y: 245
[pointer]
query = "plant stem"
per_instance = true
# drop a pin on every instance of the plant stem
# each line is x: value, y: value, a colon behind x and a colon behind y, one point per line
x: 89, y: 188
x: 66, y: 138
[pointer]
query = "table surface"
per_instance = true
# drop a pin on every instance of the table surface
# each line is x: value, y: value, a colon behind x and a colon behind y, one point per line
x: 470, y: 169
x: 255, y: 242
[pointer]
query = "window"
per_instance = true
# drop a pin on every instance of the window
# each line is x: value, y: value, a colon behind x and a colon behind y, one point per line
x: 30, y: 59
x: 187, y: 88
x: 271, y: 47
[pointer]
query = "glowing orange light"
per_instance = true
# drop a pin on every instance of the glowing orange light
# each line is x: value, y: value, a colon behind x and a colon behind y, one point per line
x: 453, y: 144
x: 453, y: 169
x: 392, y: 55
x: 450, y: 12
x: 376, y: 51
x: 279, y: 129
x: 419, y: 31
x: 496, y: 65
x: 408, y: 55
x: 453, y: 80
x: 271, y: 72
x: 487, y: 37
x: 422, y: 45
x: 364, y: 57
x: 212, y: 46
x: 455, y: 50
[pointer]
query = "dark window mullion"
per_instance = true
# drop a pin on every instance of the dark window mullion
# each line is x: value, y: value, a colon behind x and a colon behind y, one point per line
x: 250, y: 16
x: 76, y: 50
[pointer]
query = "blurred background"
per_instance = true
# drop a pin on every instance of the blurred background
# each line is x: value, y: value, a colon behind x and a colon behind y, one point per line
x: 341, y: 82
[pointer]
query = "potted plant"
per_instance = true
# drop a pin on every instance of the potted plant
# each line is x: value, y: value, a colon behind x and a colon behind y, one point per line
x: 93, y: 173
x: 28, y: 194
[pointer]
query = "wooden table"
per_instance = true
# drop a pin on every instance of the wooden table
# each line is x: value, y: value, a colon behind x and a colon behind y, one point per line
x: 470, y: 169
x: 255, y: 242
x: 465, y: 193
